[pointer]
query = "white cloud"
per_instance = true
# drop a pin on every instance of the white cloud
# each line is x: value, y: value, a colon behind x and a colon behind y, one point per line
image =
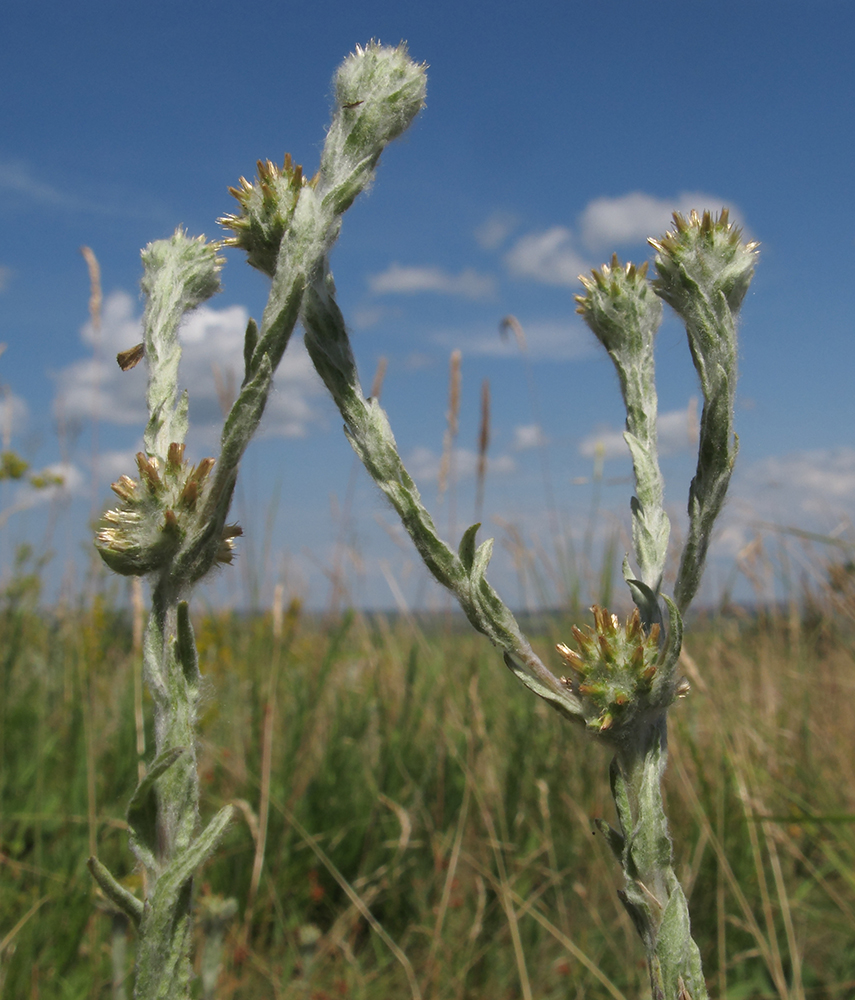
x: 678, y: 431
x: 212, y: 340
x: 27, y: 496
x: 493, y: 232
x: 550, y: 257
x: 73, y: 481
x: 365, y: 316
x: 818, y: 486
x: 555, y: 341
x: 811, y: 491
x: 112, y: 464
x: 528, y: 436
x: 607, y: 223
x: 5, y: 277
x: 399, y: 280
x: 14, y: 413
x: 606, y: 443
x: 557, y: 256
x: 423, y: 465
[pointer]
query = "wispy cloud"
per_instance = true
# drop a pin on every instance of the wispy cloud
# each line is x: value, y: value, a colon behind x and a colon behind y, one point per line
x: 400, y: 280
x: 550, y: 257
x: 95, y: 387
x: 678, y: 432
x: 20, y: 180
x: 607, y: 223
x: 5, y: 277
x: 27, y: 187
x: 423, y: 465
x: 495, y: 229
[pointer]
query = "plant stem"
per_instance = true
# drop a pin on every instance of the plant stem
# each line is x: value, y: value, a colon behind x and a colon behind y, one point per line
x: 652, y: 895
x: 172, y: 674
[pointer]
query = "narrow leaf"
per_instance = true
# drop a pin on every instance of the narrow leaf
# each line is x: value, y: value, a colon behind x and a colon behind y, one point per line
x: 126, y: 901
x: 466, y: 550
x: 143, y: 809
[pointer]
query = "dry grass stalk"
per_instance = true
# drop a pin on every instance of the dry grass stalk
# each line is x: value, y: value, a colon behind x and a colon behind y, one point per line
x: 483, y: 445
x: 452, y: 423
x: 96, y: 297
x: 379, y: 376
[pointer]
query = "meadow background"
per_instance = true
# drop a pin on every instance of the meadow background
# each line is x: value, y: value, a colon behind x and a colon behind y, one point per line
x: 408, y: 815
x: 394, y: 764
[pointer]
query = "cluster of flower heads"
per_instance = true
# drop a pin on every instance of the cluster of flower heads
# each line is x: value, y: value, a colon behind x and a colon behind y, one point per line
x: 158, y: 512
x: 709, y: 249
x: 615, y: 668
x: 266, y: 209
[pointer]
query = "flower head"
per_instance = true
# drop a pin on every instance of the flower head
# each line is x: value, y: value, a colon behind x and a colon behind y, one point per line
x: 266, y: 209
x: 157, y: 513
x: 619, y: 306
x: 614, y: 670
x: 703, y: 252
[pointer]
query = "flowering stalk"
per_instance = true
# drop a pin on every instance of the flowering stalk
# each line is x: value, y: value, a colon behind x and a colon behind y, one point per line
x: 161, y: 514
x: 171, y: 522
x: 624, y: 314
x: 704, y: 273
x: 704, y: 270
x: 623, y: 679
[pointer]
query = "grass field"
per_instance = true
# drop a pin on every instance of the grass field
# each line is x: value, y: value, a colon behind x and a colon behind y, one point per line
x: 414, y: 823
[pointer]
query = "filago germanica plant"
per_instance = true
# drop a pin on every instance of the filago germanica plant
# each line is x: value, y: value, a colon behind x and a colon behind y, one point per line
x: 171, y: 524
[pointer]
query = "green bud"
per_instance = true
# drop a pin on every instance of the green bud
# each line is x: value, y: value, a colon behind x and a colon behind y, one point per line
x: 620, y: 308
x: 378, y: 92
x: 180, y: 274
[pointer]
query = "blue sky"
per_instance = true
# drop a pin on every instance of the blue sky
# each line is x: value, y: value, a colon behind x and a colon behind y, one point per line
x: 554, y: 133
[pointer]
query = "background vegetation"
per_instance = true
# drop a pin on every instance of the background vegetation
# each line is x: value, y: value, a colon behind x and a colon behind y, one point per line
x: 409, y: 815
